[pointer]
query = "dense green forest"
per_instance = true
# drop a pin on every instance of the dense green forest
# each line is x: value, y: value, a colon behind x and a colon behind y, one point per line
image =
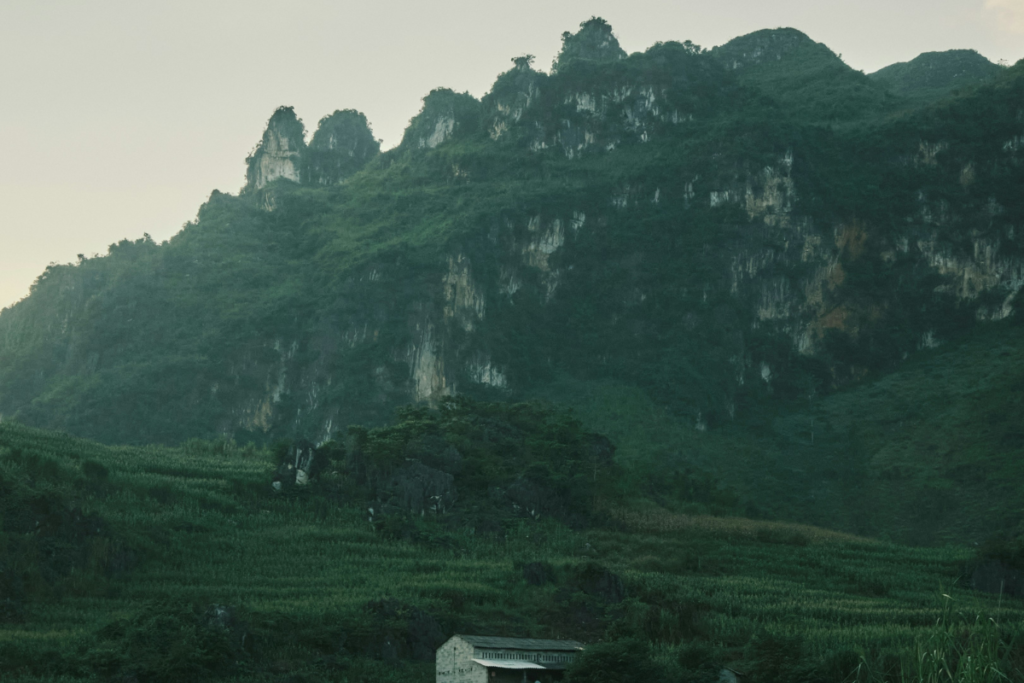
x: 934, y: 75
x: 711, y: 359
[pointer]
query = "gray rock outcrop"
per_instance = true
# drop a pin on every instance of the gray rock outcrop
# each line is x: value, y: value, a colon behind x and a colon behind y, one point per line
x: 594, y: 42
x: 279, y: 154
x: 342, y: 145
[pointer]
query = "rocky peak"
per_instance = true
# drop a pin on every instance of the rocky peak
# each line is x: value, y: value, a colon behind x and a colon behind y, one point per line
x: 512, y: 95
x: 594, y: 42
x: 445, y: 114
x: 279, y: 153
x: 342, y: 145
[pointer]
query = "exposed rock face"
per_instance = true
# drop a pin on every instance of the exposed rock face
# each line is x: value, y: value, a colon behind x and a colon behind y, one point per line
x: 580, y: 114
x: 619, y: 219
x: 426, y: 356
x: 279, y: 154
x: 445, y: 114
x: 464, y: 302
x: 301, y: 465
x: 512, y: 95
x: 594, y: 42
x: 342, y: 145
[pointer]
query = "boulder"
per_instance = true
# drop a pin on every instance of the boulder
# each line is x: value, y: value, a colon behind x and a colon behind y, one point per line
x: 299, y: 467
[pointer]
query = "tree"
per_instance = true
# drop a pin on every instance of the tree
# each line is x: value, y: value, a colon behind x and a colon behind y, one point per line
x: 615, y: 661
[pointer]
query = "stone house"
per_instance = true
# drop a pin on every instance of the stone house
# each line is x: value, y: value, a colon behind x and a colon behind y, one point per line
x: 485, y: 659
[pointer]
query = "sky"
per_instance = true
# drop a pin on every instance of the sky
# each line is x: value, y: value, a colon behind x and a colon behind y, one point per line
x: 119, y: 117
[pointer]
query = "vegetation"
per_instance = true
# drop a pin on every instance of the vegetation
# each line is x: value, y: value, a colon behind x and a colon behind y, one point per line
x: 302, y: 319
x: 594, y: 42
x: 780, y: 298
x: 342, y: 145
x: 197, y: 570
x: 930, y: 453
x: 807, y: 78
x: 934, y: 75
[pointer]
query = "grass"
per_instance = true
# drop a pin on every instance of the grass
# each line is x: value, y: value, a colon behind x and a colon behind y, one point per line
x: 301, y: 572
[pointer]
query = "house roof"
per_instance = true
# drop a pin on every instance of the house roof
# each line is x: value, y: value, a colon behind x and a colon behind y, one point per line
x: 522, y: 643
x: 509, y: 664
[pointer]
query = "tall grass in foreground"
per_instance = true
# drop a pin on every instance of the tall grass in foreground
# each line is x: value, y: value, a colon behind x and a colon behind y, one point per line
x: 958, y: 649
x: 965, y: 652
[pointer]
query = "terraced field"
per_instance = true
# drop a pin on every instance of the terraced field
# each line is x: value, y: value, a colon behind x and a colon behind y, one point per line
x: 312, y: 590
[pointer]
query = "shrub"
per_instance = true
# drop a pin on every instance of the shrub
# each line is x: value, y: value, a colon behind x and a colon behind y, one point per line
x: 620, y: 660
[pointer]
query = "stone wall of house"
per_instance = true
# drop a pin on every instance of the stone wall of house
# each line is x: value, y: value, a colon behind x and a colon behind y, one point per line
x: 454, y: 663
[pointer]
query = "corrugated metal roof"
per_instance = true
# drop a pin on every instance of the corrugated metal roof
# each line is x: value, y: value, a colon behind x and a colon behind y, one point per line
x: 522, y: 643
x: 509, y: 664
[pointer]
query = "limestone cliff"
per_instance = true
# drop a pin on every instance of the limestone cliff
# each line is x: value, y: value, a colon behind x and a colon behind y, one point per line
x: 594, y: 43
x: 278, y: 155
x: 655, y: 221
x: 445, y: 114
x: 342, y: 145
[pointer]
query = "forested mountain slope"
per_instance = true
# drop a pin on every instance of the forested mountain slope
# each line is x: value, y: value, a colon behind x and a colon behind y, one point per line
x: 807, y: 78
x: 685, y: 226
x: 931, y: 453
x: 934, y: 75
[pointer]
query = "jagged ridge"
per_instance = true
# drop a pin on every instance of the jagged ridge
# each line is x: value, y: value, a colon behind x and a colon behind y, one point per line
x: 652, y: 221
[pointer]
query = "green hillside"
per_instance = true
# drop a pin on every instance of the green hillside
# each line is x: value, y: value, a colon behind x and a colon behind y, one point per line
x: 158, y: 564
x: 934, y: 75
x: 809, y: 80
x: 931, y: 453
x: 676, y: 236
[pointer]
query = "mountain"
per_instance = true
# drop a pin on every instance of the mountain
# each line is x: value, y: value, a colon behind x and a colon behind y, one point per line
x: 807, y: 78
x: 929, y: 453
x: 709, y: 360
x: 685, y: 230
x: 934, y: 75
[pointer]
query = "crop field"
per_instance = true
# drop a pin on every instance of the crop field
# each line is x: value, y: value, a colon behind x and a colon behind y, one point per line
x: 318, y: 592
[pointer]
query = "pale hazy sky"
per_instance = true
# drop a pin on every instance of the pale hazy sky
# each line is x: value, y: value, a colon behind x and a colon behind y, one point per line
x: 122, y: 116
